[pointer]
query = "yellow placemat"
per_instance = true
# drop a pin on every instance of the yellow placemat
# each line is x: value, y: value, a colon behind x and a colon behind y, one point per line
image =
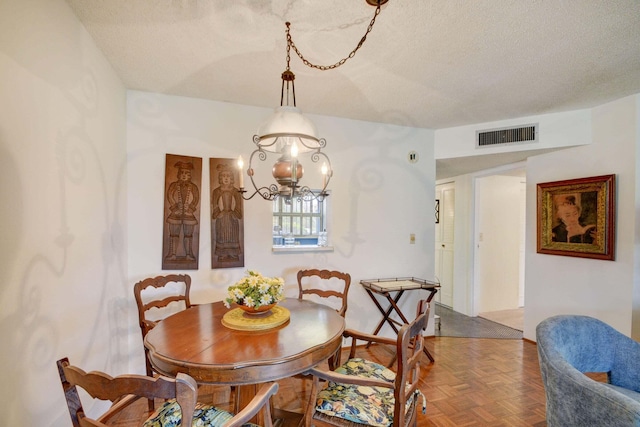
x: 238, y: 319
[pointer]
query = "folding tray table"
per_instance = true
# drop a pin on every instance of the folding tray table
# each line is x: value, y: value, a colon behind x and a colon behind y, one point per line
x: 386, y: 287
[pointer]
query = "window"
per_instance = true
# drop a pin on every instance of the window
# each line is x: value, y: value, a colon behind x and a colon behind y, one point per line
x: 302, y: 220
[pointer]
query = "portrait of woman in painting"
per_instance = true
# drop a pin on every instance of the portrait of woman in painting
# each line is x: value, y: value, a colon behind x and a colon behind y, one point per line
x: 576, y: 218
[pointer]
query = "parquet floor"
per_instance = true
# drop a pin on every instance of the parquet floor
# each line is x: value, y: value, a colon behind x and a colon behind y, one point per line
x: 473, y: 382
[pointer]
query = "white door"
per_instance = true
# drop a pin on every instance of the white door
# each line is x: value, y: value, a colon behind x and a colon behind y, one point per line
x: 445, y: 195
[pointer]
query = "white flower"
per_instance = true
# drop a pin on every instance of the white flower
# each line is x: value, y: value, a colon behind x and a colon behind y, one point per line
x: 266, y: 299
x: 264, y: 287
x: 255, y: 290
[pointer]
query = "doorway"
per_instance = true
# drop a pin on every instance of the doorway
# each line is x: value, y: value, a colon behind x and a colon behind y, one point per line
x: 499, y: 224
x: 486, y: 274
x: 444, y: 249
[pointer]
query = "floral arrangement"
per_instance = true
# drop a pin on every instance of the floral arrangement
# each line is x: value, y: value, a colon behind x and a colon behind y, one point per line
x: 255, y: 290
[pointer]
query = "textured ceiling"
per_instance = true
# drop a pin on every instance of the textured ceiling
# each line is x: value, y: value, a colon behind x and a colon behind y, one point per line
x: 426, y: 63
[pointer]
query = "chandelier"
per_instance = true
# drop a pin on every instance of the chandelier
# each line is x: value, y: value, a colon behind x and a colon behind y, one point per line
x: 291, y: 136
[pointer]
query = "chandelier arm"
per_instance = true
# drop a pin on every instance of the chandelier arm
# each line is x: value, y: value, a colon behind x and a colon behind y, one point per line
x: 267, y: 193
x: 262, y: 156
x: 303, y: 138
x: 317, y: 155
x: 300, y: 136
x: 291, y: 44
x: 258, y: 140
x: 305, y: 193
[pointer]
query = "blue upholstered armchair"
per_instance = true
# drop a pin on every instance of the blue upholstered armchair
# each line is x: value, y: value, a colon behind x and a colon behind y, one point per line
x: 569, y: 346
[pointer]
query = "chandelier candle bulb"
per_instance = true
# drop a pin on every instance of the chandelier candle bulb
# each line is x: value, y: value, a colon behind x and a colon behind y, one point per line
x: 294, y: 170
x: 240, y: 167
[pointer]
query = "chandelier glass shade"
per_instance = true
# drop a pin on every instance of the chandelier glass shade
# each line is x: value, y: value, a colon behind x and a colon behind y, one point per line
x: 286, y: 124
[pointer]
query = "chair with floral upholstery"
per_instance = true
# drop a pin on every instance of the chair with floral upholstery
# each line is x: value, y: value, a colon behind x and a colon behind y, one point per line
x: 180, y: 393
x: 363, y: 392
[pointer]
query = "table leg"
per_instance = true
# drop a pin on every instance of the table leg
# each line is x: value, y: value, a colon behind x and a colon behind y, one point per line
x: 424, y: 349
x: 393, y: 306
x: 386, y: 313
x: 380, y: 309
x: 433, y: 291
x: 394, y: 303
x: 429, y: 298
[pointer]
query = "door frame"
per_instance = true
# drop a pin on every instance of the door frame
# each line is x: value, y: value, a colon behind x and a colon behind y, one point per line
x: 473, y: 227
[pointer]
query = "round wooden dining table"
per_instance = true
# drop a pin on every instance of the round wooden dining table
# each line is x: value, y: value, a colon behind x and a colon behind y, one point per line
x: 195, y: 342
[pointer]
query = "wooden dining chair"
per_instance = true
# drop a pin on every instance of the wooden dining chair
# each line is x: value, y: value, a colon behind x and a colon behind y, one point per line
x: 335, y: 288
x: 422, y: 307
x: 170, y: 295
x: 180, y: 394
x: 367, y: 393
x: 156, y: 298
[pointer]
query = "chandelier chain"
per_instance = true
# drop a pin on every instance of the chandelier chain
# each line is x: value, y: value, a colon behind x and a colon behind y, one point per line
x: 291, y: 44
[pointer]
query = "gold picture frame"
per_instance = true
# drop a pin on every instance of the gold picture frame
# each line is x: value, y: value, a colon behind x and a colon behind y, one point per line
x: 576, y: 217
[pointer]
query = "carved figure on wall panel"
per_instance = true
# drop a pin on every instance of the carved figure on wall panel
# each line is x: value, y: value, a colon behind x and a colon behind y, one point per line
x: 181, y: 237
x: 227, y: 215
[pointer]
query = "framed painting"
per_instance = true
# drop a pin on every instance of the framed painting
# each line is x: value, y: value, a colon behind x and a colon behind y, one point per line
x: 181, y: 235
x: 227, y: 214
x: 576, y: 217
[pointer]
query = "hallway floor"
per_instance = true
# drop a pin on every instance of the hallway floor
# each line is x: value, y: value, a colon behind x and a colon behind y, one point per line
x: 511, y: 318
x: 454, y: 324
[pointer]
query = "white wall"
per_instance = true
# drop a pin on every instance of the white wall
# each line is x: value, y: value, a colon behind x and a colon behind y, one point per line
x: 378, y: 199
x: 568, y: 285
x: 555, y: 130
x: 63, y: 259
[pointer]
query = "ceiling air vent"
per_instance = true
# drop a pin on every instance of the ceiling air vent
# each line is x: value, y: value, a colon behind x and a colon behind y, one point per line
x: 489, y: 138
